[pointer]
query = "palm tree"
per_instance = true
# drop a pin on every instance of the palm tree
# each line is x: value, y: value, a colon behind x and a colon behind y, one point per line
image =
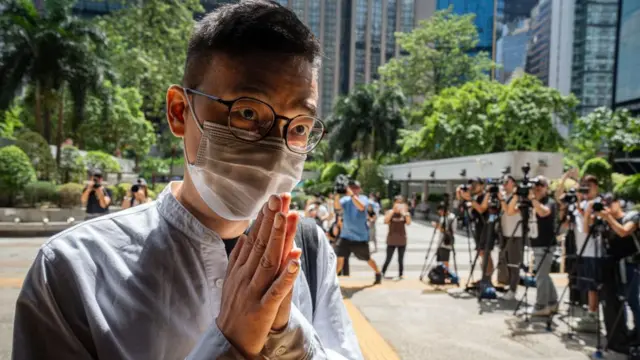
x: 366, y: 122
x: 51, y: 50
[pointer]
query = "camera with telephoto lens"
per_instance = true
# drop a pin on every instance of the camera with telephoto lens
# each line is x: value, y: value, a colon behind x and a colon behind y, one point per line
x: 570, y: 197
x: 598, y: 204
x: 134, y: 189
x: 341, y: 184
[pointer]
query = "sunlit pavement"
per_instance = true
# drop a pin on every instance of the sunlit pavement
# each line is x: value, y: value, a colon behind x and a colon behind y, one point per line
x: 400, y: 319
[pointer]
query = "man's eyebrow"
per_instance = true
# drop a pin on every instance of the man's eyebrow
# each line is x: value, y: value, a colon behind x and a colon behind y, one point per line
x: 263, y: 93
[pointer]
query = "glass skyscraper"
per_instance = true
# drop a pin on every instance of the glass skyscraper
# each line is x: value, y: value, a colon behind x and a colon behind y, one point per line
x: 540, y: 41
x: 593, y: 53
x: 484, y: 12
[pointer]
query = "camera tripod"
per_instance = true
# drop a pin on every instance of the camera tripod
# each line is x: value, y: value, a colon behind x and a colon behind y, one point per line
x: 443, y: 221
x: 595, y: 231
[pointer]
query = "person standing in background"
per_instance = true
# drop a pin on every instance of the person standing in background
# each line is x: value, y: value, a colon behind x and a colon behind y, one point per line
x: 373, y: 209
x: 96, y: 197
x: 397, y: 218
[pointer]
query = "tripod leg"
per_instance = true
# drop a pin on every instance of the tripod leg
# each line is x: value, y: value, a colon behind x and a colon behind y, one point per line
x: 424, y: 266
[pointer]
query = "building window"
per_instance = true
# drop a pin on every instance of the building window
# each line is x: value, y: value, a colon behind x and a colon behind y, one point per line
x: 376, y: 37
x: 392, y: 11
x: 298, y: 8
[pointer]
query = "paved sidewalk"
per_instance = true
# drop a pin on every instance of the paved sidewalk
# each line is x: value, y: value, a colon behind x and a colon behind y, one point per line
x: 421, y: 322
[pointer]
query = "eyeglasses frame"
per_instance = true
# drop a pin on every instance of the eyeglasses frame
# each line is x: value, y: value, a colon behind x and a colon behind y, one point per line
x: 276, y: 116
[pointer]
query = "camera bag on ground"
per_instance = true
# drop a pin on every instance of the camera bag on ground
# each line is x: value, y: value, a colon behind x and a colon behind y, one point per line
x: 437, y: 275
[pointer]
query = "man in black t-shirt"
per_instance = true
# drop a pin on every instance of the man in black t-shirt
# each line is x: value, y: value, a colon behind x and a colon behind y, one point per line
x: 544, y: 247
x: 622, y: 241
x: 96, y: 197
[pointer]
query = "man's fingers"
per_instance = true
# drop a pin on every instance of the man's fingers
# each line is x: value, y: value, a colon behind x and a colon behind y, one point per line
x: 250, y: 239
x: 270, y: 261
x: 264, y: 233
x: 233, y: 258
x: 286, y: 202
x: 292, y: 228
x: 282, y: 286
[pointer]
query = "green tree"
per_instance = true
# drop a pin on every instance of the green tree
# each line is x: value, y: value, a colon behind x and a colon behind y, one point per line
x: 486, y: 117
x: 439, y: 56
x: 152, y: 167
x: 72, y: 167
x: 147, y: 47
x: 366, y: 122
x: 16, y: 172
x: 103, y: 161
x: 38, y: 151
x: 121, y: 126
x: 10, y: 121
x: 603, y: 129
x: 371, y: 178
x: 50, y: 49
x: 601, y: 169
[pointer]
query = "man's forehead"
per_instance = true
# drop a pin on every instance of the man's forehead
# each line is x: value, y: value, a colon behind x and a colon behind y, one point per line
x: 285, y: 80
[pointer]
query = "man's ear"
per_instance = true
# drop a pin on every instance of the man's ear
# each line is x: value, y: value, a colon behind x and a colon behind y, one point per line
x: 177, y: 107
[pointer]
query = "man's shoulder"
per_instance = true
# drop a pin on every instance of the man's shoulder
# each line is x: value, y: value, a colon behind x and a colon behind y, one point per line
x: 116, y: 230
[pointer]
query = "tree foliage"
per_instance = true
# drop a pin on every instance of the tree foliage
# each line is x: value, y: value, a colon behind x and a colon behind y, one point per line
x: 603, y: 129
x: 440, y: 55
x: 367, y: 121
x: 486, y: 117
x: 10, y: 121
x: 99, y: 160
x: 601, y: 169
x: 148, y: 47
x: 16, y: 172
x: 121, y: 126
x: 49, y: 49
x: 38, y: 151
x: 72, y: 167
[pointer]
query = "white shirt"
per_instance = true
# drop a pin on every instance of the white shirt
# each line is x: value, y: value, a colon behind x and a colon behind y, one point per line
x: 146, y: 283
x: 581, y: 236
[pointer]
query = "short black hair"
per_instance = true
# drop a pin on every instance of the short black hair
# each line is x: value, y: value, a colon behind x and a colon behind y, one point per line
x: 247, y: 28
x: 441, y: 206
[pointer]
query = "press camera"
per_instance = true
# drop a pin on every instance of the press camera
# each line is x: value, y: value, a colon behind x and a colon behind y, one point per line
x: 341, y: 184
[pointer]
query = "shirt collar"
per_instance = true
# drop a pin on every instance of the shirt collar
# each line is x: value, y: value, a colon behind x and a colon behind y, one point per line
x: 177, y: 215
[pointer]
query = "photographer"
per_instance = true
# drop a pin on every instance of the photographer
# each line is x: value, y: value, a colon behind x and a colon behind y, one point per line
x: 543, y: 247
x: 475, y: 197
x: 397, y: 218
x: 96, y: 197
x: 622, y: 246
x: 373, y: 209
x: 511, y: 233
x: 138, y: 194
x: 445, y: 225
x: 354, y: 237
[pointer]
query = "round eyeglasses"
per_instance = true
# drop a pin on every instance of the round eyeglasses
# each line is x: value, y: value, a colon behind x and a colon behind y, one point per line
x: 251, y: 120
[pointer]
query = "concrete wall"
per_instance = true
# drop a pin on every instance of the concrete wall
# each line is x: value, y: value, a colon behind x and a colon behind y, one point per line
x: 484, y: 166
x: 37, y: 215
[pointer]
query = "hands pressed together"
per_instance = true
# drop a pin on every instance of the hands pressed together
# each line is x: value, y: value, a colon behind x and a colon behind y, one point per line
x: 256, y: 296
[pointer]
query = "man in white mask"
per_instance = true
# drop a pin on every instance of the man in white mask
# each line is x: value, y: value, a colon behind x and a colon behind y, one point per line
x: 187, y: 276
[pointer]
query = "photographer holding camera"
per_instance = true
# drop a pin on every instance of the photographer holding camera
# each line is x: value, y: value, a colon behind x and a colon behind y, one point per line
x: 96, y: 197
x: 618, y: 270
x: 511, y: 225
x: 544, y: 246
x: 474, y: 196
x: 354, y: 237
x: 138, y: 194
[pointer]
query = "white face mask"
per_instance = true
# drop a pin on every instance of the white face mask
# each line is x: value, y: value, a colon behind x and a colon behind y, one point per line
x: 234, y: 177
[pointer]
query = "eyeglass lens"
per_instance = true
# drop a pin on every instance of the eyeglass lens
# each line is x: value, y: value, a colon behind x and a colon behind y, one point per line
x: 251, y: 120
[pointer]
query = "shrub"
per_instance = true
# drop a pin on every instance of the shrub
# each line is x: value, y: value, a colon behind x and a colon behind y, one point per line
x: 37, y: 149
x: 72, y: 167
x: 331, y: 171
x: 600, y: 168
x: 313, y: 166
x: 119, y: 192
x: 16, y: 172
x: 69, y: 195
x: 370, y: 177
x: 152, y: 194
x: 103, y: 161
x: 386, y: 204
x: 323, y: 188
x: 629, y: 188
x: 40, y: 191
x: 159, y: 187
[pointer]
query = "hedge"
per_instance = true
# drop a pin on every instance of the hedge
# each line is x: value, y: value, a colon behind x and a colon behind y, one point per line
x: 16, y: 172
x: 70, y: 195
x: 40, y: 192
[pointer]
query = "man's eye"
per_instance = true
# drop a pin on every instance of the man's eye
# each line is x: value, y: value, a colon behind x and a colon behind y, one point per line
x: 300, y: 130
x: 248, y: 114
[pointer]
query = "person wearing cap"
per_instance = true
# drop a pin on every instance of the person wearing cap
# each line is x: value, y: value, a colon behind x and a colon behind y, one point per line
x: 544, y: 247
x: 96, y: 197
x: 354, y: 237
x: 138, y: 194
x: 478, y: 201
x: 511, y: 224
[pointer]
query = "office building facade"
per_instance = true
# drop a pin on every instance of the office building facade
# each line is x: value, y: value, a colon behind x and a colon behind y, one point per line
x: 485, y: 20
x: 627, y: 77
x: 594, y: 46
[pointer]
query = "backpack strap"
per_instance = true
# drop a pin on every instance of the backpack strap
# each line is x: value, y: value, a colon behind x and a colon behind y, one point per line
x: 307, y: 239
